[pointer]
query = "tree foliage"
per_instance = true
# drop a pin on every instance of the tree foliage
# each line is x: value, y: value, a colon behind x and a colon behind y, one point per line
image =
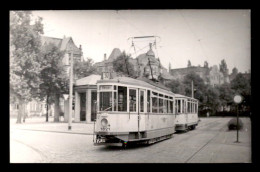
x: 25, y: 47
x: 223, y: 67
x: 54, y: 79
x: 189, y: 63
x: 206, y: 64
x: 234, y: 71
x: 122, y: 65
x: 84, y: 68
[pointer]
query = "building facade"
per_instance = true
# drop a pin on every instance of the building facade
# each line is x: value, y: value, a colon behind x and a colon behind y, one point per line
x: 211, y: 76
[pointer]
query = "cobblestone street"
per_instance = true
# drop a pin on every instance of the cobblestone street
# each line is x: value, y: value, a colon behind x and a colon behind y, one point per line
x: 210, y: 142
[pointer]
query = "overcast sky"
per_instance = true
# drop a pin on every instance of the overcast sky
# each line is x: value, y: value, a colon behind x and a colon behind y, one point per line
x: 195, y: 35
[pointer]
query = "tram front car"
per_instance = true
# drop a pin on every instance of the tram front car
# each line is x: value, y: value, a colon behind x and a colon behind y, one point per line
x: 130, y: 110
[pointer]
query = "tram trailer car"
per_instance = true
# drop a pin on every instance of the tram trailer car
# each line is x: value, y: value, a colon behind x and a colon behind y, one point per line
x: 132, y: 110
x: 186, y: 109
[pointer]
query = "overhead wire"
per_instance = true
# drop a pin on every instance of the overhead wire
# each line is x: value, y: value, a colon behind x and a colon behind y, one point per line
x: 195, y: 36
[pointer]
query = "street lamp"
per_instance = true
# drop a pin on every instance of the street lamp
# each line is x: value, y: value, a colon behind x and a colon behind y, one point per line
x: 70, y: 91
x: 237, y: 100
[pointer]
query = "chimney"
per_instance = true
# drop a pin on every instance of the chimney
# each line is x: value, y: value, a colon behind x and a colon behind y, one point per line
x: 80, y: 47
x: 105, y: 57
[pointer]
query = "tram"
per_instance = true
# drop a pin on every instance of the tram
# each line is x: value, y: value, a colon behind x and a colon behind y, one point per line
x: 133, y: 110
x: 186, y: 109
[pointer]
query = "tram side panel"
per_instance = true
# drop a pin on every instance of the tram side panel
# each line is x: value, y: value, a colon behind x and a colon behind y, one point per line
x: 157, y: 125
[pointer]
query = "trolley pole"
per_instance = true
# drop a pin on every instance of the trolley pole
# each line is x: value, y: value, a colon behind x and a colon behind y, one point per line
x: 71, y: 90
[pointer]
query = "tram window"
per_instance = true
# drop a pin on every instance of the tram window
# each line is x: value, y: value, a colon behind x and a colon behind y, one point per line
x: 183, y: 106
x: 141, y: 101
x: 195, y: 108
x: 179, y: 106
x: 154, y: 104
x: 165, y: 105
x: 170, y: 107
x: 115, y: 101
x: 189, y: 107
x: 175, y: 106
x: 105, y: 99
x: 154, y: 93
x: 122, y: 99
x: 160, y: 105
x: 148, y: 100
x: 132, y: 100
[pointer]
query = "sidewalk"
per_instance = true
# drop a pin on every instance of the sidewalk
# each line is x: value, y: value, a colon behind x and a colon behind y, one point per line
x: 39, y: 124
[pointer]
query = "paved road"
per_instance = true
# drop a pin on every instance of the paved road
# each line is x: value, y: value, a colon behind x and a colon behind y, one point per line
x: 209, y: 143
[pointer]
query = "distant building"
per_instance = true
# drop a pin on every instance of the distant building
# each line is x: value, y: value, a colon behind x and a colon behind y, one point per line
x: 107, y: 64
x: 211, y: 76
x: 143, y: 64
x: 66, y: 44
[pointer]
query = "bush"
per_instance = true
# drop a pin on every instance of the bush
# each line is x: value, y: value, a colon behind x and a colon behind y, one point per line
x: 232, y: 124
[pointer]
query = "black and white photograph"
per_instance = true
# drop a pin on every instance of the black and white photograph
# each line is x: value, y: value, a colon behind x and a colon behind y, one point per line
x: 130, y: 86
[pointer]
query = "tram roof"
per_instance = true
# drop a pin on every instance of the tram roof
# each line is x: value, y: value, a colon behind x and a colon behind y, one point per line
x: 139, y: 82
x: 182, y: 96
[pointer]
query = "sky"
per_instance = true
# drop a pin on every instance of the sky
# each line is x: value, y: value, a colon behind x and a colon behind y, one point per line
x: 195, y: 35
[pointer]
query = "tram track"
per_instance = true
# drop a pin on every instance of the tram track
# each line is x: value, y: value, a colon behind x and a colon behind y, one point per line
x: 40, y: 153
x: 203, y: 146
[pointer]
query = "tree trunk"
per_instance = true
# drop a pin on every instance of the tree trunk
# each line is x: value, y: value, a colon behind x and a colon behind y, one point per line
x: 57, y: 108
x: 20, y: 112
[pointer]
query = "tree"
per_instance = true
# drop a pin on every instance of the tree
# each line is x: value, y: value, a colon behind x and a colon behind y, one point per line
x: 83, y: 69
x: 212, y: 101
x: 242, y: 85
x: 226, y: 94
x: 206, y: 64
x: 234, y: 71
x: 198, y: 86
x: 54, y: 80
x: 25, y: 46
x: 189, y: 63
x: 122, y: 65
x: 176, y: 86
x: 223, y: 67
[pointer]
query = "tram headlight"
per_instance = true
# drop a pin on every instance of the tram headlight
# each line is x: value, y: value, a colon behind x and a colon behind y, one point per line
x: 104, y: 122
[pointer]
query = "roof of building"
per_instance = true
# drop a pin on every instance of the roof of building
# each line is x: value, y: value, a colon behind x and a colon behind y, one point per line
x: 89, y: 80
x: 114, y: 54
x: 62, y: 44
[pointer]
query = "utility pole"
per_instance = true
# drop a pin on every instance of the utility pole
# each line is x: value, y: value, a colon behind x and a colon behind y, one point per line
x: 192, y: 90
x: 71, y: 90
